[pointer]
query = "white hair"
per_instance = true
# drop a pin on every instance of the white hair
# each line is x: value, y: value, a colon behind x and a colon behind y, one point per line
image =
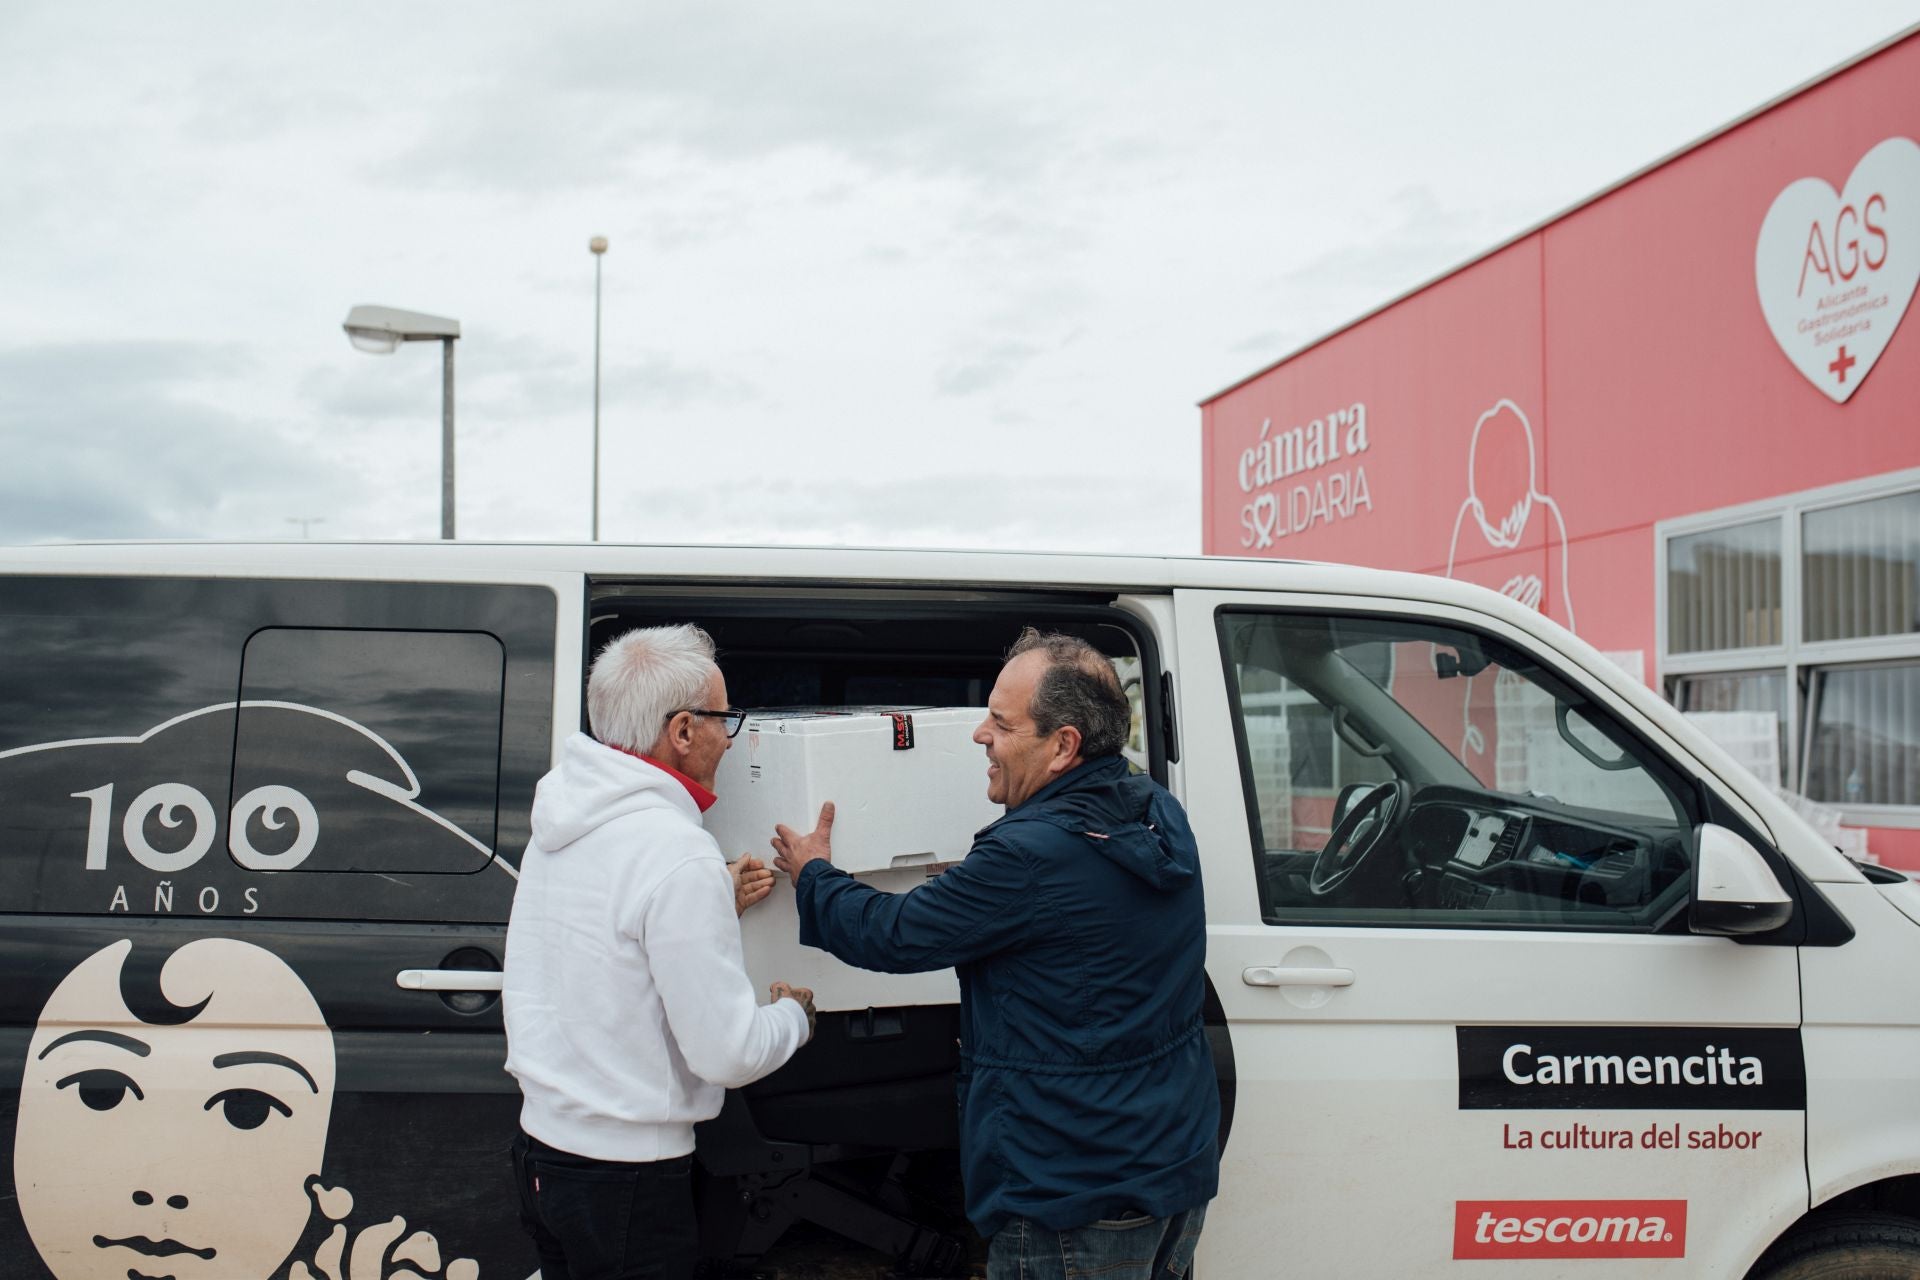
x: 640, y: 679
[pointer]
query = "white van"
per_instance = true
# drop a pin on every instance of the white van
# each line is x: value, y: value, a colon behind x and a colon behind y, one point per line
x: 1506, y: 962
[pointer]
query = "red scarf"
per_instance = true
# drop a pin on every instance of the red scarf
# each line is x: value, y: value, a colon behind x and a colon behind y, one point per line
x: 701, y: 796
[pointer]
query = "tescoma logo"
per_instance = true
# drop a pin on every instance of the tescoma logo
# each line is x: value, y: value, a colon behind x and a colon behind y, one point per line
x: 1570, y: 1229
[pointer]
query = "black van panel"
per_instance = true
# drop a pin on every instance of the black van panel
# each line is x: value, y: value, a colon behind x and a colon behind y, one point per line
x: 216, y: 789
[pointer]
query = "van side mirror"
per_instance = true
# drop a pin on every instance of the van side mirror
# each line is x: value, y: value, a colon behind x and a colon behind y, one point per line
x: 1735, y: 892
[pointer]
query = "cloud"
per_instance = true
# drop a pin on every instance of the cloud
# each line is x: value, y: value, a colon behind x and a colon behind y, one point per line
x: 231, y: 102
x: 122, y: 440
x: 657, y: 380
x: 1416, y: 239
x: 1052, y: 512
x: 896, y: 90
x: 370, y: 394
x: 991, y: 368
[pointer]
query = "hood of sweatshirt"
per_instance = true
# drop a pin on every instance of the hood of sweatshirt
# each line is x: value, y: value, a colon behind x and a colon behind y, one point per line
x: 594, y: 784
x: 1124, y: 817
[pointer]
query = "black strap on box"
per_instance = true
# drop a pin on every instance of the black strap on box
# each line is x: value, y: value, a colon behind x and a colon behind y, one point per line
x: 902, y: 731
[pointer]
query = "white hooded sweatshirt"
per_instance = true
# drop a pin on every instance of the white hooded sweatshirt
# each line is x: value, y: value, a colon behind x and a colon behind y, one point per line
x: 628, y: 1009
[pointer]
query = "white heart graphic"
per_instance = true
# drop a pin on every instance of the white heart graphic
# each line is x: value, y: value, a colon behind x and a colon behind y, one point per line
x: 1835, y: 271
x: 1266, y: 514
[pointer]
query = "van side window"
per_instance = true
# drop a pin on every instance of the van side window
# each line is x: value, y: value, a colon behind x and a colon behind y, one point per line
x: 1405, y: 772
x: 339, y: 708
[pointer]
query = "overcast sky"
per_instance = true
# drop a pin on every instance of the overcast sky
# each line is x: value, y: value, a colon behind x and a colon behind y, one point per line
x: 894, y: 274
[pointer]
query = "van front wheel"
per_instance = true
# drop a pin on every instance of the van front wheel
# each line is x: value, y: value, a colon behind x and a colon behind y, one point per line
x: 1845, y: 1246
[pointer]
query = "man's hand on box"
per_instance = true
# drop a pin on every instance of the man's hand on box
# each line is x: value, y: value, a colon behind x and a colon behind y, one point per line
x: 793, y: 851
x: 751, y: 882
x: 802, y: 995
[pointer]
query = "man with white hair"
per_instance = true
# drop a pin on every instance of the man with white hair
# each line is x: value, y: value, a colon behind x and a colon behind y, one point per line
x: 628, y: 1010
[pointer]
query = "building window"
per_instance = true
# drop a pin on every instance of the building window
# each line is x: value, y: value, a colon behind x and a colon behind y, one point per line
x: 1762, y: 691
x: 1808, y: 607
x: 1723, y: 588
x: 1863, y: 736
x: 1861, y: 569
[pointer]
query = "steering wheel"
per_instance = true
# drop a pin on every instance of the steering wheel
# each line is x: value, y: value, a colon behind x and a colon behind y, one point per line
x: 1373, y: 822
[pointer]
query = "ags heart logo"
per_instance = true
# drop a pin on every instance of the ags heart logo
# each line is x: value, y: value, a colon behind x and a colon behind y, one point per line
x: 1836, y: 270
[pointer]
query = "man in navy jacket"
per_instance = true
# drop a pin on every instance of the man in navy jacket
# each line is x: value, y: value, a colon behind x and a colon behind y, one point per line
x: 1088, y: 1104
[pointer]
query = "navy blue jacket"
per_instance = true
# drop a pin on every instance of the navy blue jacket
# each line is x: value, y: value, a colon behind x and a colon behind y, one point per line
x: 1078, y: 931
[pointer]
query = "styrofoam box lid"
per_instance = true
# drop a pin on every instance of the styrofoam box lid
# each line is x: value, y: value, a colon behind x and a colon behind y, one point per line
x: 897, y: 806
x: 825, y: 721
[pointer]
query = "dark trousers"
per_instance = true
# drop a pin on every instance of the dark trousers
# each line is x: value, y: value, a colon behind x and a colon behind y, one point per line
x: 1134, y: 1248
x: 604, y: 1219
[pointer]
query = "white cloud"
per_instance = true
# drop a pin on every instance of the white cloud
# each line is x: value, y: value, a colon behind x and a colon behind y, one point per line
x: 113, y: 440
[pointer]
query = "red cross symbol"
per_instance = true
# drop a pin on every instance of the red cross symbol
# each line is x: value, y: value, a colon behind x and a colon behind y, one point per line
x: 1842, y: 364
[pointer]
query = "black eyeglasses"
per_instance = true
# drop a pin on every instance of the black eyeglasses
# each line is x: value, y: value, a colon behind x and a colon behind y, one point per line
x: 734, y: 718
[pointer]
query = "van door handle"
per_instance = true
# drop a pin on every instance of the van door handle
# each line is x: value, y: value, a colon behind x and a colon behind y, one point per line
x: 448, y: 979
x: 1289, y: 976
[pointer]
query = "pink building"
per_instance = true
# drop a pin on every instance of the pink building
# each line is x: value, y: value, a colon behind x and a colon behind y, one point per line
x: 1682, y: 418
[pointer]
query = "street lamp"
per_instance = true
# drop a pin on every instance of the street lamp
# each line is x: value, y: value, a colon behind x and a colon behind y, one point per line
x: 380, y: 331
x: 598, y: 246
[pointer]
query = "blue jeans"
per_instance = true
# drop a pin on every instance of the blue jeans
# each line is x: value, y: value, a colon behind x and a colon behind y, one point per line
x: 1139, y: 1248
x: 604, y: 1220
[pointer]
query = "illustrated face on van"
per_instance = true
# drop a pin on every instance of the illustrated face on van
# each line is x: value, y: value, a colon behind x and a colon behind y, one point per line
x: 180, y: 1140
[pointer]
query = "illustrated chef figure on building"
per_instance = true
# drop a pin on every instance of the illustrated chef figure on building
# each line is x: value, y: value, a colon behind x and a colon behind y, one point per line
x: 1503, y: 491
x: 1503, y: 497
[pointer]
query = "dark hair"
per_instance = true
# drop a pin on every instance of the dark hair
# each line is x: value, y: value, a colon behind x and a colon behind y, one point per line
x: 140, y: 988
x: 1080, y: 688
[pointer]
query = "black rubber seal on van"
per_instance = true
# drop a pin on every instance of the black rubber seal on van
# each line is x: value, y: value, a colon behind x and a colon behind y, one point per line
x: 648, y: 603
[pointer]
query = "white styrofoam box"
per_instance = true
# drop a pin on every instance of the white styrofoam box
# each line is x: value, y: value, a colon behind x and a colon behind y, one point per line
x: 893, y: 806
x: 917, y: 807
x: 770, y: 938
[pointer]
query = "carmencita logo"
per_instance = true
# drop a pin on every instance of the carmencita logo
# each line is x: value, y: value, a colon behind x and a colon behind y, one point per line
x: 1523, y: 1066
x: 1631, y: 1068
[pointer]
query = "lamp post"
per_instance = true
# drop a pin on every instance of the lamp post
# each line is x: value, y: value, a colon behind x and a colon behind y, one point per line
x: 380, y: 331
x: 598, y: 246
